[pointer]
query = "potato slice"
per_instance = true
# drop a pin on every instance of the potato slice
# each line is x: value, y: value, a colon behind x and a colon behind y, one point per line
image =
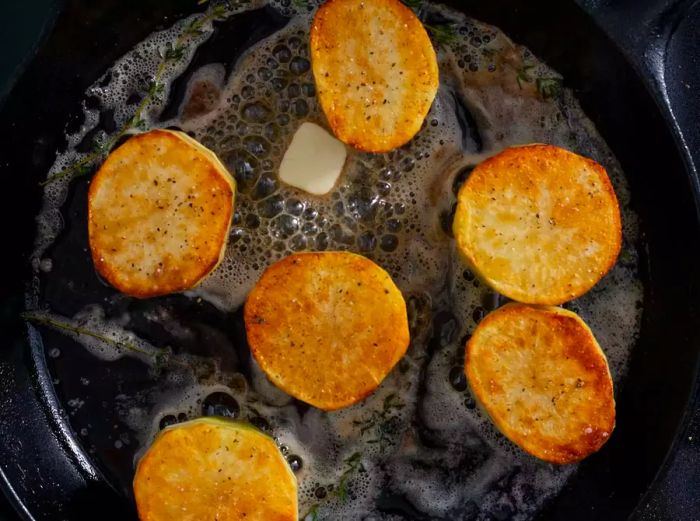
x: 326, y: 327
x: 214, y: 469
x: 543, y: 379
x: 375, y: 69
x: 539, y: 224
x: 159, y: 212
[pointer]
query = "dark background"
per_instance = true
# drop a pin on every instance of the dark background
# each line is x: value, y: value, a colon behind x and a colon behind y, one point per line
x: 21, y: 29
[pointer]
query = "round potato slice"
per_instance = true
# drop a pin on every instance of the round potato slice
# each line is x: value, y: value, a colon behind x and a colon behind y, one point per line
x: 539, y: 224
x: 327, y: 327
x: 214, y: 469
x: 544, y: 381
x: 159, y: 212
x: 375, y: 69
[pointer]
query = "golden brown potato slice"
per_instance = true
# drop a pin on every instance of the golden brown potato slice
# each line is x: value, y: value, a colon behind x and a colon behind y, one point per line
x: 539, y: 224
x: 326, y: 327
x: 214, y: 469
x: 543, y: 379
x: 159, y: 212
x: 375, y: 69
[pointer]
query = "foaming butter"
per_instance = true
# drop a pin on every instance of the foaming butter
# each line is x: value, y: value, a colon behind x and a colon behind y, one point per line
x: 420, y: 438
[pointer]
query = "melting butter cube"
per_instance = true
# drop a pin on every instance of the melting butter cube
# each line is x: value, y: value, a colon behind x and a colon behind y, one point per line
x: 314, y: 160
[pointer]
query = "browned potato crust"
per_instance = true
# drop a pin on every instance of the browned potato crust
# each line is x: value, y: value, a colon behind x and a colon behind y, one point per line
x: 375, y: 69
x: 159, y: 212
x: 326, y: 327
x: 539, y: 224
x: 214, y: 469
x: 544, y: 381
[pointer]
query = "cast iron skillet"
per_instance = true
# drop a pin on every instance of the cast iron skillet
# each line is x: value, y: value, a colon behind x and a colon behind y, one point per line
x: 641, y: 87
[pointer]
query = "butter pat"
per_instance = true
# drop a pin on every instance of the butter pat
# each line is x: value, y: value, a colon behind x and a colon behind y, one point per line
x: 314, y: 160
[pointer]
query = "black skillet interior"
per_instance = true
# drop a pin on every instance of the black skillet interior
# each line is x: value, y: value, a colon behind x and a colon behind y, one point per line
x: 49, y: 477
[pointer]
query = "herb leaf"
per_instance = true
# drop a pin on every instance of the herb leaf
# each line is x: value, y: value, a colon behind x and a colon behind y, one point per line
x: 380, y: 422
x: 413, y: 4
x: 549, y: 87
x: 443, y: 34
x: 173, y: 53
x: 353, y: 464
x: 312, y: 514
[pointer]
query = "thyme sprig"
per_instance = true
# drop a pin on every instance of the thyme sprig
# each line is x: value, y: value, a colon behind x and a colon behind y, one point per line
x: 443, y: 34
x: 353, y: 465
x: 549, y: 87
x: 154, y: 92
x: 378, y: 421
x: 413, y: 4
x: 160, y: 356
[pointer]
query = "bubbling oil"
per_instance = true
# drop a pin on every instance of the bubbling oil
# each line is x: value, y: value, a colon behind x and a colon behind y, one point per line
x: 419, y: 446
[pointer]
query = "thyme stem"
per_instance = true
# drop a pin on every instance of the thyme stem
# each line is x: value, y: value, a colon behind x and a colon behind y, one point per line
x: 174, y: 53
x: 45, y: 320
x: 353, y: 464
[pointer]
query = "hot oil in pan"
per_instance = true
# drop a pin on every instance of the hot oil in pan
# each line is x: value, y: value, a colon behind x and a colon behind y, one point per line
x: 417, y: 448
